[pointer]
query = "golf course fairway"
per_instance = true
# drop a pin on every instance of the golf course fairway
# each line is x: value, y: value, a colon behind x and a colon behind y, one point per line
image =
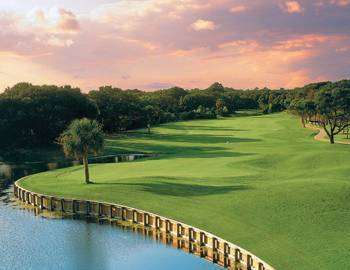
x: 261, y: 182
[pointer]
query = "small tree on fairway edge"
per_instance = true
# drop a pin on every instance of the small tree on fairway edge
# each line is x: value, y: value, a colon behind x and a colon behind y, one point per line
x: 81, y: 138
x: 333, y: 106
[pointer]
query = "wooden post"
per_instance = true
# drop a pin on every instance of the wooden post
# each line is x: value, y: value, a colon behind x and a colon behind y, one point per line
x: 123, y: 213
x: 41, y: 202
x: 238, y: 255
x: 191, y: 246
x: 62, y: 205
x: 157, y: 223
x: 227, y: 262
x: 87, y: 206
x: 179, y: 243
x: 111, y: 211
x: 179, y: 230
x: 167, y: 226
x: 191, y: 236
x: 227, y: 249
x: 203, y: 251
x: 34, y: 199
x: 202, y: 239
x: 99, y: 210
x: 145, y: 219
x: 73, y: 206
x: 15, y: 191
x: 51, y: 204
x: 249, y: 262
x: 134, y: 216
x: 215, y: 256
x: 215, y: 244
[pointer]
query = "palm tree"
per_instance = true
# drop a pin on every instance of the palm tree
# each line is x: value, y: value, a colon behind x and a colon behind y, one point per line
x: 83, y: 137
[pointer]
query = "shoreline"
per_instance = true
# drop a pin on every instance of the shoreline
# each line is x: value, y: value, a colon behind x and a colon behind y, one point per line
x: 200, y: 242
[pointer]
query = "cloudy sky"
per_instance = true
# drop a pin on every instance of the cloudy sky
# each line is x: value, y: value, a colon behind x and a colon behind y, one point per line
x: 152, y: 44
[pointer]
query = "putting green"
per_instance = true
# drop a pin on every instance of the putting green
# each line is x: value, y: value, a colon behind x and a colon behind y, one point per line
x: 261, y: 182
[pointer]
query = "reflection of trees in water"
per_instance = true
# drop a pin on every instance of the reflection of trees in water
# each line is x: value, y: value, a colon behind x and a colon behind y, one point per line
x: 85, y: 248
x: 86, y: 253
x: 9, y: 173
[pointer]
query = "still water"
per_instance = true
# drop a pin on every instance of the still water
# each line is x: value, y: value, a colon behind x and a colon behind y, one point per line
x: 28, y: 241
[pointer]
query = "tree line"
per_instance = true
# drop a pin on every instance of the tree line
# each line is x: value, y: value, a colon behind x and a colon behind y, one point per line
x: 35, y: 115
x: 326, y: 105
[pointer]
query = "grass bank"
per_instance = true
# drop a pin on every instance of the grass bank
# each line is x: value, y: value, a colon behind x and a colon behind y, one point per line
x: 261, y: 182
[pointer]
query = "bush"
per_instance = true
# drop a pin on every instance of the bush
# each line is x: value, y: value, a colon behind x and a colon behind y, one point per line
x: 187, y: 115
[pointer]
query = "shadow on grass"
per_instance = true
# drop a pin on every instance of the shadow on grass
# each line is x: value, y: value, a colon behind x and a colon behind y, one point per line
x: 181, y: 190
x: 180, y: 144
x: 199, y: 127
x: 175, y: 151
x: 190, y: 138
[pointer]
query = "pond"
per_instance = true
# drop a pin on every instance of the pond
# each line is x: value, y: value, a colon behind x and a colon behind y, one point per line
x: 31, y: 241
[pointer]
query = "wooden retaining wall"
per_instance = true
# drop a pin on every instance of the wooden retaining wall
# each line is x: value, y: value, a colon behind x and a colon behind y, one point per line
x: 180, y: 235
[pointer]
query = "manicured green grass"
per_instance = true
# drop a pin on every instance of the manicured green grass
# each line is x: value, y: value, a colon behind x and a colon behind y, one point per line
x: 261, y: 182
x: 341, y: 137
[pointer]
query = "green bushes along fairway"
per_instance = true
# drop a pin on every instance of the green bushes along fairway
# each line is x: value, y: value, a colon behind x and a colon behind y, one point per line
x: 261, y: 182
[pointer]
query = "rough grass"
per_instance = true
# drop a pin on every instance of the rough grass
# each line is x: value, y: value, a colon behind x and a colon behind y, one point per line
x: 261, y: 182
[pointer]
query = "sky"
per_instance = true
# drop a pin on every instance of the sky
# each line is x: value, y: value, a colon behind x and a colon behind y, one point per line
x: 155, y: 44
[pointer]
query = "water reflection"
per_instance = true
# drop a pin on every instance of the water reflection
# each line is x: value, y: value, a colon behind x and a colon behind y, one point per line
x: 35, y: 239
x: 77, y: 242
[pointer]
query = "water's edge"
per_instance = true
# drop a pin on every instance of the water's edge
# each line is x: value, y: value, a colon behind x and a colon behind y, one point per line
x: 180, y: 235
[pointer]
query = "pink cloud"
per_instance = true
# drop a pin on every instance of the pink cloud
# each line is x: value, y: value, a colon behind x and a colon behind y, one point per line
x: 67, y: 21
x: 292, y: 7
x: 238, y: 9
x: 204, y: 25
x: 38, y: 32
x: 343, y: 49
x: 54, y: 20
x: 302, y: 42
x: 340, y: 2
x: 57, y: 42
x: 177, y: 42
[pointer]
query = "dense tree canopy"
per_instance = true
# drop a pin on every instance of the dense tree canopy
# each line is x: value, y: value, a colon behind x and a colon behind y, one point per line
x: 333, y: 110
x: 36, y: 115
x: 328, y: 107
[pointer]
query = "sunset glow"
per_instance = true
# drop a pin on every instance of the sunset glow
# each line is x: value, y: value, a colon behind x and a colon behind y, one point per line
x: 153, y: 44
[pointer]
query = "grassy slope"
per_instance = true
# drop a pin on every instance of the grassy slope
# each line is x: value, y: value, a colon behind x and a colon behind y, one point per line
x: 260, y: 181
